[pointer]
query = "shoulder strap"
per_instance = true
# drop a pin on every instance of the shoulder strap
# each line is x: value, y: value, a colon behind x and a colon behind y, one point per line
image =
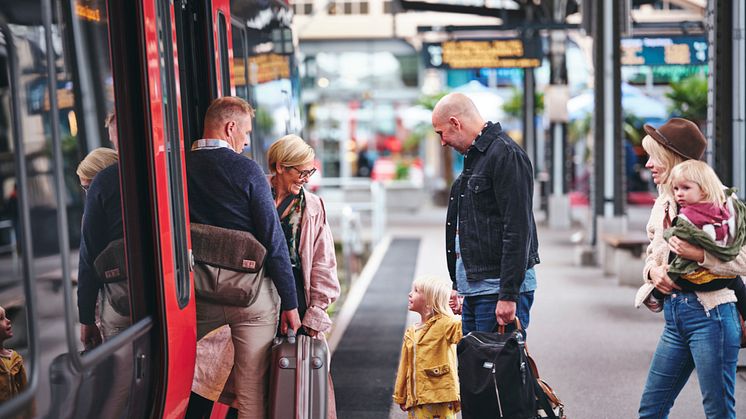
x: 285, y: 204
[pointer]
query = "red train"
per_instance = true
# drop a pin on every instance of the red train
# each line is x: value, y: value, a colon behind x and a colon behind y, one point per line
x: 64, y: 66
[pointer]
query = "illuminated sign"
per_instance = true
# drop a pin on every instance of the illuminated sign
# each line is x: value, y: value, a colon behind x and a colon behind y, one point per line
x: 483, y: 53
x: 268, y: 67
x: 679, y: 50
x: 87, y: 12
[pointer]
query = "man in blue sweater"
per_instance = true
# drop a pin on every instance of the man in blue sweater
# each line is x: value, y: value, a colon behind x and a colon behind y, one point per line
x: 231, y: 191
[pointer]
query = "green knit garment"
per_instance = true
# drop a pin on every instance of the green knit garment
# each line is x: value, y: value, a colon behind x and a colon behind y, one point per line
x: 687, y: 231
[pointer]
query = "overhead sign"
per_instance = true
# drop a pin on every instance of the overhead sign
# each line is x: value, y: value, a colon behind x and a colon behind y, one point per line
x: 672, y: 50
x: 483, y: 53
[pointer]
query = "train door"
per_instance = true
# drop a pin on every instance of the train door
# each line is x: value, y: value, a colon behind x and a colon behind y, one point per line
x: 177, y: 311
x: 78, y: 330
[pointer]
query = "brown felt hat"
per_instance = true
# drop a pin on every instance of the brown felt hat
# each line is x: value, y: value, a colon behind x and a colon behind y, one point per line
x: 681, y: 136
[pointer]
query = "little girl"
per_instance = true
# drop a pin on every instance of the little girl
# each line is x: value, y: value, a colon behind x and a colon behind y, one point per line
x: 708, y: 219
x: 12, y: 371
x: 427, y: 380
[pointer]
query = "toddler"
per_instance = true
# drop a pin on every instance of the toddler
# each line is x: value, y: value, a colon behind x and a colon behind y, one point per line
x: 12, y: 371
x: 708, y: 219
x: 427, y: 384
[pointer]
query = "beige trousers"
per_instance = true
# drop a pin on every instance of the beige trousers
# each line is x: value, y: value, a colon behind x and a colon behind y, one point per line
x: 252, y: 331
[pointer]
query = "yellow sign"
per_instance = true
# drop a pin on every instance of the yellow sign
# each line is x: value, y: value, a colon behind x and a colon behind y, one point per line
x: 268, y: 67
x: 87, y: 12
x: 498, y: 53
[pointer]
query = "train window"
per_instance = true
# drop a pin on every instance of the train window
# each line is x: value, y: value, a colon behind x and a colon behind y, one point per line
x: 274, y: 93
x: 172, y: 139
x: 240, y: 69
x: 225, y: 72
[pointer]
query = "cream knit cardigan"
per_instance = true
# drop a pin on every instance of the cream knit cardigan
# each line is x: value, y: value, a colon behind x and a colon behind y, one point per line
x: 658, y: 251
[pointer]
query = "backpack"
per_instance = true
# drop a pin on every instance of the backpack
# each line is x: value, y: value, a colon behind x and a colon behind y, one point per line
x: 498, y: 378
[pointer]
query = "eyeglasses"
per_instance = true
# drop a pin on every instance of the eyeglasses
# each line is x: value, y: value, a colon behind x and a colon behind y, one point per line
x: 304, y: 173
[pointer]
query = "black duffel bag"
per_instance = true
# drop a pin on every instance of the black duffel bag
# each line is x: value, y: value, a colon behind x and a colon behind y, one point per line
x: 229, y: 265
x: 497, y: 378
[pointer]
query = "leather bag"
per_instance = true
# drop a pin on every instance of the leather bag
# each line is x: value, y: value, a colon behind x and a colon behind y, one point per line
x: 229, y: 265
x: 111, y: 269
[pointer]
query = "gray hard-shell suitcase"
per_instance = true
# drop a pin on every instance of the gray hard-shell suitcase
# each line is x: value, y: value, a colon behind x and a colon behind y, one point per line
x: 298, y: 386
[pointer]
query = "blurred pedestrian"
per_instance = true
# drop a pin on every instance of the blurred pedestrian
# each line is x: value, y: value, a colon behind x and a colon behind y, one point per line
x: 230, y: 191
x: 702, y: 329
x: 427, y: 379
x: 491, y: 241
x: 112, y: 322
x: 101, y: 225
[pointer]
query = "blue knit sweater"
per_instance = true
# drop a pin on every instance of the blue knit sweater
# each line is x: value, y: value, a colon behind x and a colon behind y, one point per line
x: 102, y: 224
x: 231, y: 191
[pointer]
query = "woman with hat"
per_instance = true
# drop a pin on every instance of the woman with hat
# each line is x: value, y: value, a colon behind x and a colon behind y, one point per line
x: 702, y: 329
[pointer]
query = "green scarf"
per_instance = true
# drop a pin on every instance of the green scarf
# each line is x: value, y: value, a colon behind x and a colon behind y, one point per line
x: 687, y: 231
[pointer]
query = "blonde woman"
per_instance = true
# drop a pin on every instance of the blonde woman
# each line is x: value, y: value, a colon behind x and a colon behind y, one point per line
x: 97, y: 160
x: 702, y: 329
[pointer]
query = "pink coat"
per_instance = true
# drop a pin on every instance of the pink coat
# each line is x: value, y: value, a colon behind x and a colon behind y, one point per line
x: 319, y: 263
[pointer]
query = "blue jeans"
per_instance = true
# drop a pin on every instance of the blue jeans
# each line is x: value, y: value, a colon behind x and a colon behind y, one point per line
x: 478, y: 312
x: 694, y: 339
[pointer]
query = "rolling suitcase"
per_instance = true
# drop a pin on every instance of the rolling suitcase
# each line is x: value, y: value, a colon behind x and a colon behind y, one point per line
x: 298, y: 386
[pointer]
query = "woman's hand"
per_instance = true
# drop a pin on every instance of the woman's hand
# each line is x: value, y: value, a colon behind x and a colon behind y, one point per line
x: 659, y: 276
x: 312, y: 333
x: 686, y: 250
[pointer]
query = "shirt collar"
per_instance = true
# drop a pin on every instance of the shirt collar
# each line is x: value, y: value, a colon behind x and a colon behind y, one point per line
x: 210, y: 144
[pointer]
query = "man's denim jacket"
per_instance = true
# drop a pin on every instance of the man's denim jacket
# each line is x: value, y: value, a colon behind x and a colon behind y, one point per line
x: 492, y: 200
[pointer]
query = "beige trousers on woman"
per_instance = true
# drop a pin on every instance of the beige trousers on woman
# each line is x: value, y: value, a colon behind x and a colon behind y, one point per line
x: 252, y: 331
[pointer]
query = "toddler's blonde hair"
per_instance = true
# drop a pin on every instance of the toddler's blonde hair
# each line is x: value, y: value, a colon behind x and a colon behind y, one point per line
x: 702, y: 174
x: 437, y: 292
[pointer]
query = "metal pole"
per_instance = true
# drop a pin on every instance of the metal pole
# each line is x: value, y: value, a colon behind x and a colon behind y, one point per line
x: 739, y: 98
x: 720, y: 96
x: 529, y: 114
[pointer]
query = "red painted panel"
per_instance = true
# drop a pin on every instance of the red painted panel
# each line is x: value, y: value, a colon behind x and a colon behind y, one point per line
x: 178, y: 324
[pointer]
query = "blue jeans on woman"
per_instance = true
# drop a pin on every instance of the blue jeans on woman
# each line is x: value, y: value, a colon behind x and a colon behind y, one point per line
x: 694, y: 339
x: 478, y: 312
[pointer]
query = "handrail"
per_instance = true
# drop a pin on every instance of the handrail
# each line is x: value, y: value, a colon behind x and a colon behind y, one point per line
x: 15, y: 405
x: 62, y: 229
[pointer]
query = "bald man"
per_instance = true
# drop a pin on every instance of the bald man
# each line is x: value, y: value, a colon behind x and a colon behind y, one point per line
x: 491, y: 242
x: 229, y: 190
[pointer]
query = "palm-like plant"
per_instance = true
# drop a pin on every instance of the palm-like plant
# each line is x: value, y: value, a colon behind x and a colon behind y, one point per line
x: 689, y: 98
x: 514, y: 105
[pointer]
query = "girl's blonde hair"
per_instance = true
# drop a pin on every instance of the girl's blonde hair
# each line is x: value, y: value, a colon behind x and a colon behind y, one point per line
x: 666, y: 157
x: 702, y: 174
x: 437, y: 292
x: 289, y: 151
x: 97, y: 160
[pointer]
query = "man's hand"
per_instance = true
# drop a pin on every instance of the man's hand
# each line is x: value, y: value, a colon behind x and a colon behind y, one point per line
x: 686, y: 250
x: 661, y: 280
x: 505, y: 312
x: 289, y: 319
x: 90, y: 336
x: 454, y: 302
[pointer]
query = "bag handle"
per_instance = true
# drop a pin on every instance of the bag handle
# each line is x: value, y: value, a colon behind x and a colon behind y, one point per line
x: 501, y: 327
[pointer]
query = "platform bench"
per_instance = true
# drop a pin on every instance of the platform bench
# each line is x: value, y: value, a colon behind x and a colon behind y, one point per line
x: 623, y: 256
